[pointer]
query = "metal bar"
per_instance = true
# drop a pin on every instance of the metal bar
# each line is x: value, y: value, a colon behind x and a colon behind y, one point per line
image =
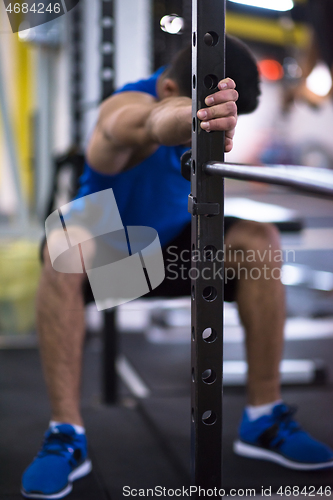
x: 292, y: 371
x: 297, y: 177
x: 110, y: 348
x: 44, y: 127
x: 131, y: 378
x: 206, y: 206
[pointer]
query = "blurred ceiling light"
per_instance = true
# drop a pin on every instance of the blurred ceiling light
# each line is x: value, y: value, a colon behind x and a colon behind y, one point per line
x: 25, y: 32
x: 320, y: 80
x: 291, y: 68
x: 280, y: 5
x: 172, y: 24
x: 271, y: 69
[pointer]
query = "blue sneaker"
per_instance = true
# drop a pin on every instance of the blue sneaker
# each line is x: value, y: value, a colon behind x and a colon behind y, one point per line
x: 278, y: 438
x: 62, y: 460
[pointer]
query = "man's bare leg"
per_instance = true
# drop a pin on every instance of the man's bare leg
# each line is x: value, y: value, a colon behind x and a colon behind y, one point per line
x: 261, y: 304
x: 63, y: 457
x: 61, y: 329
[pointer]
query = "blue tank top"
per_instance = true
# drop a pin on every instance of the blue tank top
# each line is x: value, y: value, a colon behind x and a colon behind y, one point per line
x: 153, y: 193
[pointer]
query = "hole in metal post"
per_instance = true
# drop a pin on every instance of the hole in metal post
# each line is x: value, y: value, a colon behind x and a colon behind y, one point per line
x: 209, y: 293
x: 194, y: 81
x: 209, y: 253
x: 194, y: 124
x: 193, y: 254
x: 209, y: 335
x: 194, y: 39
x: 211, y: 82
x: 193, y: 333
x: 209, y: 417
x: 211, y: 38
x: 193, y: 292
x: 208, y: 376
x: 193, y: 166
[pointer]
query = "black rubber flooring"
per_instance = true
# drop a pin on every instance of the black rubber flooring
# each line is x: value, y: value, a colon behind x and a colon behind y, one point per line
x: 146, y: 444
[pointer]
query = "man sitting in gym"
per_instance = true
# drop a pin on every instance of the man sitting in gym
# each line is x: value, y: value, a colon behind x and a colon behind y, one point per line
x: 135, y: 149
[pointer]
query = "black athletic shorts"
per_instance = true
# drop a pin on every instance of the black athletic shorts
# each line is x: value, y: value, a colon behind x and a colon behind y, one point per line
x: 177, y: 282
x: 174, y: 284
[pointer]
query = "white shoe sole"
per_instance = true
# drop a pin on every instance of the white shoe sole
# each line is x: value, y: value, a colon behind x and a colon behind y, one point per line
x: 77, y: 473
x: 247, y: 450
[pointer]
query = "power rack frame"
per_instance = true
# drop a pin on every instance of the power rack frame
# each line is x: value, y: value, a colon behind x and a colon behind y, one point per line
x: 206, y: 207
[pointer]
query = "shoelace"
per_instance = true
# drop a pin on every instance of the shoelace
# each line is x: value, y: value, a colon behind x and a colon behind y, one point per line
x: 57, y: 443
x: 284, y: 425
x: 284, y: 416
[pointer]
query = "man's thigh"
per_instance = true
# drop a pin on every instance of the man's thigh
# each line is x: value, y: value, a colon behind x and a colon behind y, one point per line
x: 177, y: 260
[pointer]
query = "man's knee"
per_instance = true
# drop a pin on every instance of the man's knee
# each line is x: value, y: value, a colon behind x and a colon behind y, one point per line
x: 253, y: 246
x: 61, y: 281
x: 265, y: 235
x: 66, y: 259
x: 254, y: 235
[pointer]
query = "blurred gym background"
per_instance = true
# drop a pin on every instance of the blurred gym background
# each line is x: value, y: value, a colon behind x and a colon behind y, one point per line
x: 54, y: 76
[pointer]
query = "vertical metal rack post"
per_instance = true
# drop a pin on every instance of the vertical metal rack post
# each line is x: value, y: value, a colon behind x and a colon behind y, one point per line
x: 206, y: 206
x: 110, y: 340
x: 77, y: 73
x: 107, y: 48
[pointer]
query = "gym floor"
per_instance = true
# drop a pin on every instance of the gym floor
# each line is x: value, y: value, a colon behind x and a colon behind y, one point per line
x: 145, y: 442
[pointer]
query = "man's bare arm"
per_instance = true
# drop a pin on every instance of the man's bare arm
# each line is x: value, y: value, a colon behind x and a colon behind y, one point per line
x: 132, y: 125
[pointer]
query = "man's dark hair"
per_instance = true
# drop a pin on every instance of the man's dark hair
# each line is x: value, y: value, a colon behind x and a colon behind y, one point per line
x: 240, y: 66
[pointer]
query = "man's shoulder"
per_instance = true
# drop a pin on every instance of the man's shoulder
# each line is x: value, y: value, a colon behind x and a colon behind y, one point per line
x: 146, y: 85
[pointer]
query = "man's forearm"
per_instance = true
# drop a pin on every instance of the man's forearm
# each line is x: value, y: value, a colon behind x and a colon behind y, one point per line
x: 169, y: 122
